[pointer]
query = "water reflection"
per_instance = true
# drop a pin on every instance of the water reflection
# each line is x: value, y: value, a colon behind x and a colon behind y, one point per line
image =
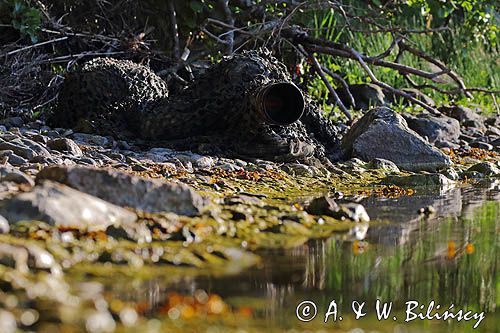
x: 451, y: 256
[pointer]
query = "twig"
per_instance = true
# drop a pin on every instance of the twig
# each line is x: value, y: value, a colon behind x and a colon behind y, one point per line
x: 174, y: 32
x: 388, y: 87
x: 230, y: 21
x: 34, y: 46
x: 342, y: 82
x: 321, y: 74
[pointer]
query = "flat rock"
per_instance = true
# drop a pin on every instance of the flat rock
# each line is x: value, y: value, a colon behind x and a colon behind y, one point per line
x: 64, y: 207
x: 444, y: 129
x: 382, y: 133
x: 149, y: 195
x: 466, y: 116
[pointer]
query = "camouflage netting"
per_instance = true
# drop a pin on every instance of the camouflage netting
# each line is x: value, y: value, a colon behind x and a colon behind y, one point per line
x: 216, y: 113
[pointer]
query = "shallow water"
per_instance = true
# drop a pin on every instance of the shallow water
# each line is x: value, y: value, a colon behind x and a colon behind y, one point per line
x: 450, y: 257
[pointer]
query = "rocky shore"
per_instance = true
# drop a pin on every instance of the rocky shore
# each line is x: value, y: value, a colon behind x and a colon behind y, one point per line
x: 74, y: 203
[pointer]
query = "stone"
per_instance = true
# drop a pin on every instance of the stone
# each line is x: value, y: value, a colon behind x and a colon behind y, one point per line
x: 65, y: 145
x: 322, y: 206
x: 380, y: 163
x: 481, y: 145
x: 382, y: 133
x: 327, y: 206
x: 122, y: 189
x: 13, y: 121
x: 365, y: 95
x: 10, y: 174
x: 432, y: 179
x: 493, y: 131
x: 19, y: 149
x: 13, y: 159
x: 64, y: 207
x: 434, y: 128
x: 466, y: 116
x: 91, y: 140
x: 486, y: 169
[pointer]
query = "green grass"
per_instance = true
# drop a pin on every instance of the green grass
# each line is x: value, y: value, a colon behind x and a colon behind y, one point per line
x: 471, y: 59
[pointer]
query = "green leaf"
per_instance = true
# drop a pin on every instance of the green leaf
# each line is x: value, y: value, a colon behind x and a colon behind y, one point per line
x: 196, y: 6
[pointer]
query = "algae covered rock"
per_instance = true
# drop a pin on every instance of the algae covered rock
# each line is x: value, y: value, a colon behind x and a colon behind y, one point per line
x: 382, y: 133
x: 122, y: 189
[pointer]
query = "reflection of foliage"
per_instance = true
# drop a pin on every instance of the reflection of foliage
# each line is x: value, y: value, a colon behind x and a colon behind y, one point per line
x: 446, y: 261
x: 22, y: 16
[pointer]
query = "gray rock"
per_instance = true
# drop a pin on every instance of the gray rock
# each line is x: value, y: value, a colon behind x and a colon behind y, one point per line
x: 13, y: 159
x: 481, y: 145
x: 382, y: 133
x: 64, y: 207
x: 450, y: 173
x: 486, y: 169
x: 10, y: 174
x: 496, y: 143
x: 434, y: 128
x: 65, y: 145
x: 150, y: 195
x: 13, y: 122
x: 466, y: 116
x: 493, y: 131
x: 365, y: 95
x: 433, y: 179
x: 18, y: 148
x: 91, y: 140
x: 380, y: 163
x: 36, y: 147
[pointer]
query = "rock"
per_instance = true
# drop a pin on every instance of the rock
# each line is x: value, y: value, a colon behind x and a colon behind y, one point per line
x: 434, y: 128
x: 13, y: 121
x: 365, y: 96
x: 492, y: 121
x: 13, y: 159
x: 327, y: 206
x: 91, y: 140
x: 415, y: 93
x: 9, y: 174
x: 481, y: 145
x: 382, y: 133
x: 380, y: 163
x: 322, y: 206
x: 496, y: 143
x: 65, y: 145
x: 36, y: 147
x: 18, y: 148
x: 64, y: 207
x: 299, y: 169
x: 450, y: 173
x: 4, y: 225
x: 486, y: 169
x: 149, y: 195
x: 493, y: 131
x: 466, y: 116
x: 433, y: 179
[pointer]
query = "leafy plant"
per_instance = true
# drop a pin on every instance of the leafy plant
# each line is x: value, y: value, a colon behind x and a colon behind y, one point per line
x: 23, y: 17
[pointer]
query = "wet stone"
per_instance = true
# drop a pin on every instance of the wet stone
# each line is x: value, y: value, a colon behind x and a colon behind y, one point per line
x: 379, y: 163
x: 149, y: 195
x: 4, y: 225
x: 327, y: 206
x: 486, y: 169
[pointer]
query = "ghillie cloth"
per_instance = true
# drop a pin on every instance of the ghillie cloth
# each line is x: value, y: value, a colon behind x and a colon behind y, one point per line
x: 221, y: 111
